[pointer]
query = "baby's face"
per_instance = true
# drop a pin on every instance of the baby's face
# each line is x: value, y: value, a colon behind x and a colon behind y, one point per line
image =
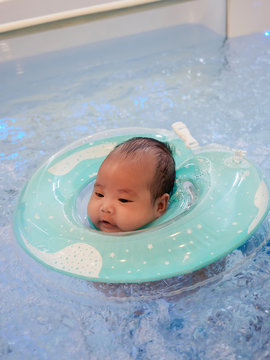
x: 121, y: 199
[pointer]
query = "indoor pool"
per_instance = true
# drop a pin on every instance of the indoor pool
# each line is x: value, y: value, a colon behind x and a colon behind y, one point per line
x: 188, y: 73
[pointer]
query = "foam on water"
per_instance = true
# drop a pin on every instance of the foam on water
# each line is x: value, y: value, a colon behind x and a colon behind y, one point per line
x: 220, y: 90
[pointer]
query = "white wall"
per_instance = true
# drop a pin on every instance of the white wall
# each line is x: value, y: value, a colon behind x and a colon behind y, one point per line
x: 210, y: 13
x: 16, y: 14
x: 248, y: 16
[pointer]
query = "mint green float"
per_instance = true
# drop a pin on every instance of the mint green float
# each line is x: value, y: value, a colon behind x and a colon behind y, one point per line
x: 219, y: 201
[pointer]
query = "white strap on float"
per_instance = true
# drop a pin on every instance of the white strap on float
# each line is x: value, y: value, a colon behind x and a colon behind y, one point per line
x: 239, y: 155
x: 182, y: 131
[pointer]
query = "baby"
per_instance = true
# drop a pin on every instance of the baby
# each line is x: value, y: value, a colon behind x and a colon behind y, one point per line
x: 133, y: 185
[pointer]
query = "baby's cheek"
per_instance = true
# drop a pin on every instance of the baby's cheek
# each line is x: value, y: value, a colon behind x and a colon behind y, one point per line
x: 91, y: 210
x: 133, y: 220
x: 123, y: 218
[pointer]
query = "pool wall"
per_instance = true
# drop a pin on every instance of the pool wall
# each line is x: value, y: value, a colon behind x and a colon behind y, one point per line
x: 243, y: 16
x: 247, y: 16
x: 17, y: 15
x: 105, y: 25
x: 80, y: 22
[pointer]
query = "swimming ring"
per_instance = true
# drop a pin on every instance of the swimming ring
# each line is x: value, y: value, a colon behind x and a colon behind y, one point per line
x: 220, y: 199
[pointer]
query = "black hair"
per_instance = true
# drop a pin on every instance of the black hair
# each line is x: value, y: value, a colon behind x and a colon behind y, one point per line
x: 164, y: 178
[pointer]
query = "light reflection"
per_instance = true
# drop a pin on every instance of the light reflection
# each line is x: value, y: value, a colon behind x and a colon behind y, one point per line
x: 13, y: 156
x: 10, y: 131
x: 140, y: 101
x: 6, y: 53
x: 101, y: 111
x: 5, y: 50
x: 19, y: 68
x: 10, y: 156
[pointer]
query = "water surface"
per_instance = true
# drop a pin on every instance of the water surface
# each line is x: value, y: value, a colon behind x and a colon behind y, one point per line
x: 220, y: 89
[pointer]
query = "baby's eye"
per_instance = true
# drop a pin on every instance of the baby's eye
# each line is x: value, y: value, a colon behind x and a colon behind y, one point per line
x: 124, y: 200
x: 99, y: 194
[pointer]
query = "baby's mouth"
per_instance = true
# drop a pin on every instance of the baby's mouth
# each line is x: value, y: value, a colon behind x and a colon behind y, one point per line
x: 106, y: 222
x: 106, y: 225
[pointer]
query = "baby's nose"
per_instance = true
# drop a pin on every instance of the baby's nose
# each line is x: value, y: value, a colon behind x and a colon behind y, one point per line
x: 107, y: 207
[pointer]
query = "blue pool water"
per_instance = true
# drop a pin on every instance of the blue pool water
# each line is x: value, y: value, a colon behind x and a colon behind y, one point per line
x: 220, y: 89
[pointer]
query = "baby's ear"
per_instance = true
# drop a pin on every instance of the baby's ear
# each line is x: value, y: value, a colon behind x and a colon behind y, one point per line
x: 162, y: 204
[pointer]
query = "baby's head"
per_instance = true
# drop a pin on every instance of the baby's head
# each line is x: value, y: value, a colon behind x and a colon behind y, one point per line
x: 133, y: 185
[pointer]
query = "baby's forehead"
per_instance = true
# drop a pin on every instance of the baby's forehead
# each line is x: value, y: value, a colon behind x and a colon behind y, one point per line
x: 132, y: 169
